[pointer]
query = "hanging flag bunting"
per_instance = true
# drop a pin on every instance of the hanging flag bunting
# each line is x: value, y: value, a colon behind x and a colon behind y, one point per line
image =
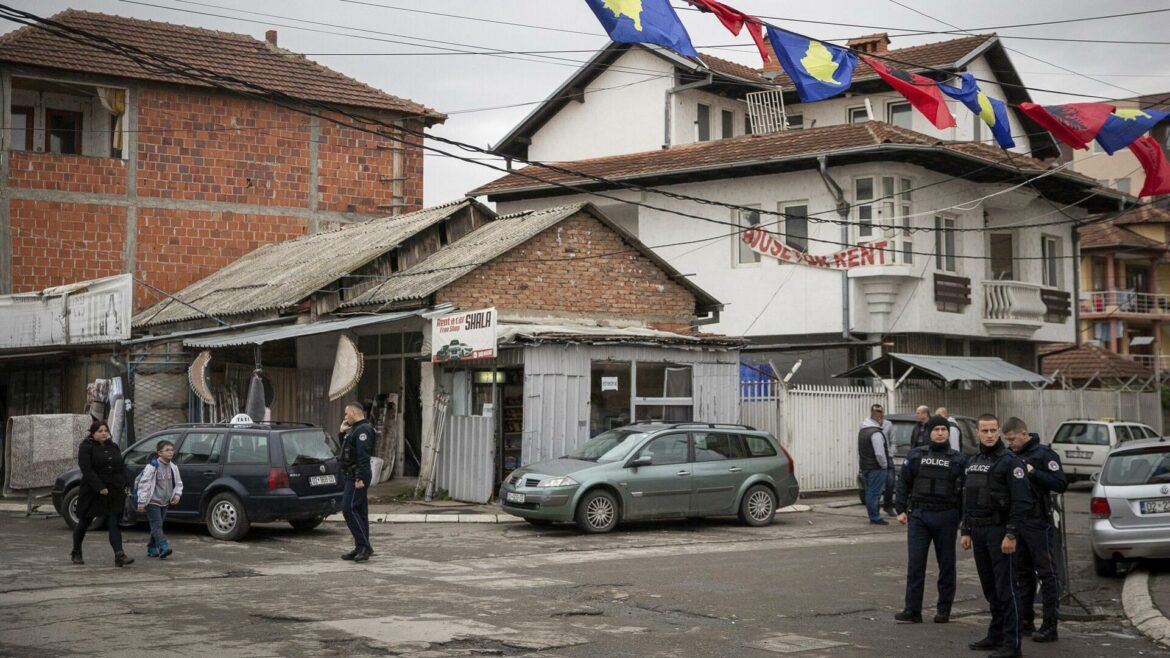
x: 1153, y: 160
x: 992, y: 110
x: 643, y: 21
x: 819, y: 70
x: 1125, y: 125
x: 920, y: 90
x: 735, y: 20
x: 1075, y: 124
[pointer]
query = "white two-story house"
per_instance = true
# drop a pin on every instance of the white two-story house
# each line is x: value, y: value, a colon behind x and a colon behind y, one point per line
x: 980, y: 243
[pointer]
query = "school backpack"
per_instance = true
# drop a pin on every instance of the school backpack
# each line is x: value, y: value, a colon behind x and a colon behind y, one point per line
x: 137, y: 480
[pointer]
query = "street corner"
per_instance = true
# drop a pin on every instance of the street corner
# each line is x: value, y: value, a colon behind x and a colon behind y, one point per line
x: 1144, y: 605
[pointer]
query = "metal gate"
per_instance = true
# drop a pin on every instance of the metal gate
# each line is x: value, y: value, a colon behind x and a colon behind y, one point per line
x: 465, y: 465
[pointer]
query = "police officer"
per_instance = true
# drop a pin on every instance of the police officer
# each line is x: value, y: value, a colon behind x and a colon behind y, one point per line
x: 996, y: 500
x: 928, y: 501
x: 1045, y: 477
x: 357, y: 444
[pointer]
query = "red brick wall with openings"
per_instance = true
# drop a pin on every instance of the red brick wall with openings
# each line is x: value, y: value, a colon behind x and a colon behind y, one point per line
x: 58, y: 243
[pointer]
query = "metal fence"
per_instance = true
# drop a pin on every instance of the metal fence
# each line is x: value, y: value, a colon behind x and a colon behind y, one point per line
x: 465, y: 465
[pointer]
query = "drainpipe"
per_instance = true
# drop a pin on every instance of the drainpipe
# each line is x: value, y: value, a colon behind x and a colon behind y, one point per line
x: 843, y: 213
x: 671, y: 92
x: 1076, y: 294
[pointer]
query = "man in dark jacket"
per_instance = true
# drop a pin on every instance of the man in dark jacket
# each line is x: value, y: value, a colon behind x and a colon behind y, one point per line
x: 928, y: 501
x: 996, y: 501
x: 920, y: 438
x: 1045, y: 477
x: 357, y: 444
x: 874, y: 460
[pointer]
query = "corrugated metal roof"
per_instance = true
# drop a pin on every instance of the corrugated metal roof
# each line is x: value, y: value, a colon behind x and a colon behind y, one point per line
x: 263, y: 335
x: 584, y: 333
x: 987, y: 369
x: 279, y: 276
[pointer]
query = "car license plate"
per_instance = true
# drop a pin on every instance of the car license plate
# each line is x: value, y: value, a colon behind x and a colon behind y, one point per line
x: 1078, y: 454
x: 1155, y: 506
x: 513, y: 497
x: 318, y: 480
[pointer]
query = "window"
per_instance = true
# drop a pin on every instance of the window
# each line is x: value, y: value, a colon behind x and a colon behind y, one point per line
x: 758, y: 446
x: 609, y: 396
x: 63, y: 132
x: 891, y: 210
x: 703, y: 123
x: 857, y: 115
x: 748, y: 219
x: 796, y: 226
x: 728, y: 118
x: 1123, y: 433
x: 247, y: 449
x: 22, y: 129
x: 944, y: 243
x: 714, y: 447
x: 899, y: 114
x: 794, y: 121
x: 863, y: 193
x: 200, y: 448
x: 308, y: 447
x: 1121, y: 184
x: 747, y: 123
x: 668, y: 449
x: 1050, y: 260
x: 655, y: 391
x: 1085, y: 434
x: 1002, y: 249
x: 141, y: 453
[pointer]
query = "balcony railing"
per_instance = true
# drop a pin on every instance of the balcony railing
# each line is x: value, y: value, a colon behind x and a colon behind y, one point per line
x: 1013, y: 308
x: 1160, y: 361
x: 1124, y: 301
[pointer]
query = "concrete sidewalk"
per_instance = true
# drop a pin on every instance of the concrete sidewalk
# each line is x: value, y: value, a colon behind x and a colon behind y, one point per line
x: 1146, y: 600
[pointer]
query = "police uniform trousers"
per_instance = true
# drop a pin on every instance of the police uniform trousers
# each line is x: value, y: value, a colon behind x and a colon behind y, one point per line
x: 1036, y: 562
x: 356, y: 510
x: 997, y: 577
x: 923, y: 528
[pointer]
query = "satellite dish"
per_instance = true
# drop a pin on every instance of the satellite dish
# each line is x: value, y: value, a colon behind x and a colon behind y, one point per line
x: 241, y: 419
x: 197, y: 375
x: 347, y: 368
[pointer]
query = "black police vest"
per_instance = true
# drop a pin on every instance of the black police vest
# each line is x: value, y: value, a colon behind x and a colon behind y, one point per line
x: 1041, y: 498
x: 936, y: 484
x: 867, y: 459
x: 987, y: 499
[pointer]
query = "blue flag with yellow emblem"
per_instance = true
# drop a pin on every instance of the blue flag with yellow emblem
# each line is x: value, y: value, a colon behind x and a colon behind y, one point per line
x: 991, y: 110
x: 643, y: 21
x: 1125, y: 126
x: 819, y: 70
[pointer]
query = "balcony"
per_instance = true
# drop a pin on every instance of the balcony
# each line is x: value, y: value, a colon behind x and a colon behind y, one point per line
x: 1013, y: 309
x: 1160, y: 361
x: 1123, y: 304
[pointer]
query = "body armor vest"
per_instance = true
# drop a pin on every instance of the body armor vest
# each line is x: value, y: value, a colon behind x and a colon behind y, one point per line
x: 987, y: 499
x: 936, y: 483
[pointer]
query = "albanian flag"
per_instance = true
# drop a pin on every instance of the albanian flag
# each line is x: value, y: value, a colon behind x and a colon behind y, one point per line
x: 919, y: 90
x: 1075, y: 124
x: 735, y: 20
x: 1126, y: 125
x: 1153, y: 160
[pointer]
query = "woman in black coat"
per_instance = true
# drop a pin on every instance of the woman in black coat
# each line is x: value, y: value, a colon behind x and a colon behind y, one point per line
x: 102, y: 492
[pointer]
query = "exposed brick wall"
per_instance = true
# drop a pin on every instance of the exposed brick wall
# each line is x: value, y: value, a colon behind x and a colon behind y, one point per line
x: 58, y: 243
x: 356, y: 170
x: 626, y: 285
x: 73, y: 173
x: 178, y: 247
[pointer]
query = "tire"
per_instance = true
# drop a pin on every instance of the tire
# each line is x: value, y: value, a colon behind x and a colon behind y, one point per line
x: 226, y: 518
x: 758, y: 506
x: 306, y: 524
x: 1104, y: 568
x: 597, y: 512
x: 540, y: 523
x: 69, y: 510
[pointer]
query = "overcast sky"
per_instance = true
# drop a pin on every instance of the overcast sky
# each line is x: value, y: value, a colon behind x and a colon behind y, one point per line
x: 395, y: 46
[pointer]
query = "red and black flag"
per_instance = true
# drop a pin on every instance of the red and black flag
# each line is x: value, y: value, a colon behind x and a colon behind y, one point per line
x: 919, y: 90
x: 1153, y: 160
x: 1075, y: 124
x: 735, y: 20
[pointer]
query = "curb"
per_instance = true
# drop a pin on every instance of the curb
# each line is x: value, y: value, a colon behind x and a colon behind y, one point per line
x: 1140, y: 609
x: 434, y: 518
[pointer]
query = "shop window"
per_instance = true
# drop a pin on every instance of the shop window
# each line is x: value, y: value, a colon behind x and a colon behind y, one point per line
x: 22, y: 129
x: 609, y: 396
x: 659, y: 392
x: 63, y: 132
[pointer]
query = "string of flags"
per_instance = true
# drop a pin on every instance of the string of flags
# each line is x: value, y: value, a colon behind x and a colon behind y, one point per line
x: 821, y: 70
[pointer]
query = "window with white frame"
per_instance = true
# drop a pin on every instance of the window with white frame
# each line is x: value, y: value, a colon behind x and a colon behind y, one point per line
x: 885, y: 201
x: 944, y: 243
x: 703, y: 123
x: 747, y: 219
x: 626, y: 391
x: 795, y: 224
x: 857, y: 114
x: 1050, y: 257
x: 899, y: 114
x: 727, y: 118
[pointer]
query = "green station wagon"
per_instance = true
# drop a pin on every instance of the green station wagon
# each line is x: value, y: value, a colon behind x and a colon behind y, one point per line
x: 657, y: 471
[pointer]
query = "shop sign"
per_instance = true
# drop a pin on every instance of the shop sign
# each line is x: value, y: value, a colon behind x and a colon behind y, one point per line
x: 464, y: 336
x: 869, y: 253
x: 96, y: 311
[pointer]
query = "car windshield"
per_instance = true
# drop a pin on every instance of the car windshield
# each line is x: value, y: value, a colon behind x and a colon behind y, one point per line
x: 308, y: 447
x: 1148, y: 466
x: 608, y: 446
x: 903, y: 434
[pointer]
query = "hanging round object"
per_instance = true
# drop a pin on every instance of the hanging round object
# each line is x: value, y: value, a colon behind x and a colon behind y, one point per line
x: 199, y: 377
x: 347, y: 368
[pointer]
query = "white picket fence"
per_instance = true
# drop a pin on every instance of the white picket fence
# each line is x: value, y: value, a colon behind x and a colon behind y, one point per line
x: 818, y: 425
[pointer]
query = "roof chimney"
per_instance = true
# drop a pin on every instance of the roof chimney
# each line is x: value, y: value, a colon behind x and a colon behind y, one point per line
x: 871, y: 43
x: 270, y: 37
x: 772, y: 66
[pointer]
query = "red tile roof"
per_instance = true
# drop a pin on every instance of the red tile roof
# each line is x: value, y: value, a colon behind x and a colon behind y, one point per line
x: 753, y: 149
x: 237, y: 55
x: 736, y: 69
x: 1148, y: 214
x: 1105, y: 235
x: 1087, y: 361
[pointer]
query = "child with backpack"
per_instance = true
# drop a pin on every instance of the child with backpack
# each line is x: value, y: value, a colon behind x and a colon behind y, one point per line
x: 158, y: 487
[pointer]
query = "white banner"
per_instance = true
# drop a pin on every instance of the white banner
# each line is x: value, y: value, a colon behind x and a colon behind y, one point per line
x: 869, y: 253
x: 464, y: 336
x: 96, y: 311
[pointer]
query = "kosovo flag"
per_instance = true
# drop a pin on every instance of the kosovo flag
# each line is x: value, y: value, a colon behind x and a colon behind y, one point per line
x: 993, y: 111
x: 818, y: 69
x: 643, y: 21
x: 1125, y: 125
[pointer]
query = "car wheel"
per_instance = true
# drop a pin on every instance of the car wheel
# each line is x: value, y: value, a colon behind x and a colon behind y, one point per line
x: 540, y: 523
x: 597, y: 512
x: 1104, y: 568
x: 226, y: 519
x: 69, y: 510
x: 758, y: 506
x: 306, y: 524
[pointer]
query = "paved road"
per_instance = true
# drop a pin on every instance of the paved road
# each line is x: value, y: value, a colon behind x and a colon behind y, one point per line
x: 821, y: 583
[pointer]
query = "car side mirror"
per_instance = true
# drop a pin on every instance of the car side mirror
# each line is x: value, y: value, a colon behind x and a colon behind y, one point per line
x: 1094, y: 477
x: 641, y: 460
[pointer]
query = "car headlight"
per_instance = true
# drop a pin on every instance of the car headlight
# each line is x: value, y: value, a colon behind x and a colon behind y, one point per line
x: 561, y: 481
